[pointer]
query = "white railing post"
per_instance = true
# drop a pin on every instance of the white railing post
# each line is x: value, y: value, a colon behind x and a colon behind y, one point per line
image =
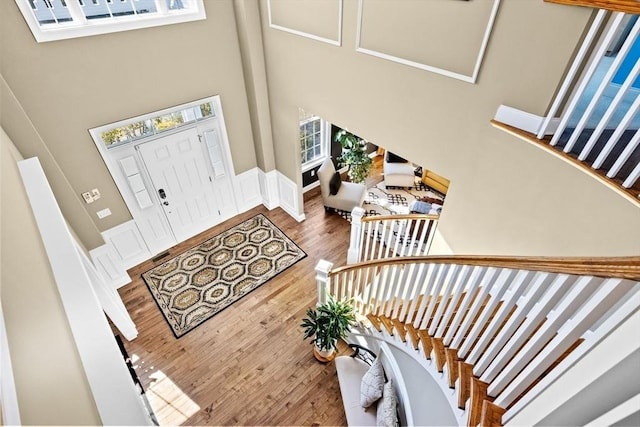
x: 322, y: 280
x: 355, y: 240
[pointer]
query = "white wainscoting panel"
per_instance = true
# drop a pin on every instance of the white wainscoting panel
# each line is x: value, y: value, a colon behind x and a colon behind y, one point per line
x: 269, y: 188
x: 289, y: 200
x: 128, y: 243
x: 247, y: 187
x: 109, y: 266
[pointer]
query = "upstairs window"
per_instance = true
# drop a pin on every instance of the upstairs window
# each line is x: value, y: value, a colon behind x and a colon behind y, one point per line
x: 314, y: 140
x: 62, y: 19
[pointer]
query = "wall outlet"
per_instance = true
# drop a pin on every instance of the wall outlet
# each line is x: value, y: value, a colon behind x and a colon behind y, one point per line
x: 88, y: 197
x: 95, y: 193
x: 103, y: 213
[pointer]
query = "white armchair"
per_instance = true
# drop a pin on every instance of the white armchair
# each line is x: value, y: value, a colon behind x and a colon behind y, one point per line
x: 398, y: 172
x: 337, y: 194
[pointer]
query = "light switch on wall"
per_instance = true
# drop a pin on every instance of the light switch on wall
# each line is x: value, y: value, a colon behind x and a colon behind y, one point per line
x: 88, y: 197
x: 103, y: 213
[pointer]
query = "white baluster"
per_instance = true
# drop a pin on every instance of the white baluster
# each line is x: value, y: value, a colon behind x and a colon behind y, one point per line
x: 633, y: 177
x: 581, y: 291
x: 611, y: 292
x: 471, y: 290
x: 568, y: 82
x: 560, y: 285
x: 460, y: 285
x: 450, y: 280
x: 429, y: 278
x: 540, y: 285
x: 620, y: 128
x: 487, y: 283
x: 494, y: 330
x: 626, y: 153
x: 599, y: 53
x: 495, y: 297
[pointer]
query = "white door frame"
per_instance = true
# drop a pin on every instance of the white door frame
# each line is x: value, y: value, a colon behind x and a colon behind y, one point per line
x: 154, y: 229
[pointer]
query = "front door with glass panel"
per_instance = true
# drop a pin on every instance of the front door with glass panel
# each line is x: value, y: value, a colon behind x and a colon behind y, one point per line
x: 180, y: 176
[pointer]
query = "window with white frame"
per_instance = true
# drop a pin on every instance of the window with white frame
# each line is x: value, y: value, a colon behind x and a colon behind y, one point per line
x: 63, y: 19
x: 314, y: 140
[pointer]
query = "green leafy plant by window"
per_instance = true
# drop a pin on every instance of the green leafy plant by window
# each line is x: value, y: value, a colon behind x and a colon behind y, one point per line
x: 354, y: 155
x: 328, y: 323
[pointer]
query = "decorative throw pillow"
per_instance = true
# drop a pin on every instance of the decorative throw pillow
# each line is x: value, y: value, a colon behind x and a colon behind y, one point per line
x: 386, y: 413
x: 372, y: 384
x: 335, y: 183
x: 394, y: 158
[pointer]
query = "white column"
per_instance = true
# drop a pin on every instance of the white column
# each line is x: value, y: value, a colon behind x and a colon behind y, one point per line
x: 355, y: 240
x: 322, y: 280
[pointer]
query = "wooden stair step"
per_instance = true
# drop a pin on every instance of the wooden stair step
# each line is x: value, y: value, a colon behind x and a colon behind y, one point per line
x: 451, y: 355
x: 374, y: 321
x: 465, y: 372
x: 387, y: 323
x: 491, y: 414
x: 412, y: 332
x: 478, y: 396
x: 400, y: 329
x: 439, y: 352
x: 427, y: 345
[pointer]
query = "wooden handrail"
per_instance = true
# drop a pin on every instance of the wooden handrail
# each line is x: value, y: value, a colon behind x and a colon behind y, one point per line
x: 622, y: 267
x: 399, y: 217
x: 627, y: 6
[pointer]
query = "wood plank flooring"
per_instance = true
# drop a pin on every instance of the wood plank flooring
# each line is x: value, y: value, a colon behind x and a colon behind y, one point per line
x: 248, y: 365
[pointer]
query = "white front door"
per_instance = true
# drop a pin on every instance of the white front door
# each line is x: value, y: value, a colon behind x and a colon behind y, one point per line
x: 180, y: 176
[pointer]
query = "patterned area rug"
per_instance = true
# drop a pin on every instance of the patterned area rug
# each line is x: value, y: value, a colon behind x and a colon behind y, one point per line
x: 394, y: 200
x: 204, y: 280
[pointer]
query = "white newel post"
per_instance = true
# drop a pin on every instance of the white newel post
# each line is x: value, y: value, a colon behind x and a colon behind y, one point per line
x: 322, y: 279
x: 355, y: 240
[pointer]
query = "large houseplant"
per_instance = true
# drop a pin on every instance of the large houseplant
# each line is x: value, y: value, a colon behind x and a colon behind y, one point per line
x: 327, y: 323
x: 354, y: 155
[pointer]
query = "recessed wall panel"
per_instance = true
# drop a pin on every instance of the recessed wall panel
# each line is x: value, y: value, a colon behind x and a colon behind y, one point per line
x: 316, y: 18
x: 445, y: 34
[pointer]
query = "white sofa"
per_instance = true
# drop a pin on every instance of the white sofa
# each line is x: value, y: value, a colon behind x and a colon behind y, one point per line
x: 397, y: 171
x: 350, y: 371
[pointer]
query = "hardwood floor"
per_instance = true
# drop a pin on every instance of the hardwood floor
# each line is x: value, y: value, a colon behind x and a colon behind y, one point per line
x: 247, y: 365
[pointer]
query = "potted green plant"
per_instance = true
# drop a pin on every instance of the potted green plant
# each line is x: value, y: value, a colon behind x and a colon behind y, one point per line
x: 327, y: 323
x: 354, y: 155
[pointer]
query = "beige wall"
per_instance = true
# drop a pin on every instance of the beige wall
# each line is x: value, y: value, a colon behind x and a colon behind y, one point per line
x: 506, y: 197
x: 51, y: 385
x: 67, y: 87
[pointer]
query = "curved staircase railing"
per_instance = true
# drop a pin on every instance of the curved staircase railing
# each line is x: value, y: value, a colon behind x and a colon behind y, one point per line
x: 498, y: 330
x: 386, y: 236
x: 593, y: 122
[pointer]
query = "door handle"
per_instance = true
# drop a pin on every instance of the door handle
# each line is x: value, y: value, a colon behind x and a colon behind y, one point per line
x: 162, y: 193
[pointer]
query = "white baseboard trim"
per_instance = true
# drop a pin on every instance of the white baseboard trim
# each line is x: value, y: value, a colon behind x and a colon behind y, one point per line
x: 526, y: 121
x: 311, y: 186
